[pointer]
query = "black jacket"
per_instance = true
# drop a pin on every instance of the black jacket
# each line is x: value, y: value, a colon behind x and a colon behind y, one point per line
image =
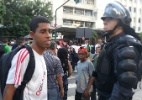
x: 118, y: 64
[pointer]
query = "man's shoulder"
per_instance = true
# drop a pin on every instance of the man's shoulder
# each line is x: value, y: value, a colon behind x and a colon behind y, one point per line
x: 127, y: 38
x: 55, y: 58
x: 51, y: 56
x: 21, y: 54
x: 88, y: 61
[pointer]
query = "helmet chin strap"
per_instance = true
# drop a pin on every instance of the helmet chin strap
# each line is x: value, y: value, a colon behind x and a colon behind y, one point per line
x: 109, y: 32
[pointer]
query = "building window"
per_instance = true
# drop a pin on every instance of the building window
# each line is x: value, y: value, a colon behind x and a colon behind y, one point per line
x: 139, y: 20
x: 130, y: 9
x: 95, y: 13
x: 134, y: 19
x: 139, y: 28
x: 88, y: 24
x: 88, y: 13
x: 89, y: 2
x: 67, y: 22
x: 134, y: 9
x: 68, y: 10
x: 78, y: 23
x: 79, y: 11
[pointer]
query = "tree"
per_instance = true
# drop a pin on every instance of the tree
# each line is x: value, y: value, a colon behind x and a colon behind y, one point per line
x: 19, y: 13
x: 2, y: 10
x: 95, y: 35
x: 140, y: 35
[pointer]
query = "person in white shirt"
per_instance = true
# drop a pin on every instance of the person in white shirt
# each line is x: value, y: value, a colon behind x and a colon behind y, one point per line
x: 36, y: 89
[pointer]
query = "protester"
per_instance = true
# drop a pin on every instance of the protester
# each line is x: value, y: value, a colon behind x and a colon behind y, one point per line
x: 74, y: 57
x: 55, y: 72
x: 67, y: 68
x: 84, y: 71
x: 26, y: 41
x: 97, y: 52
x: 6, y: 46
x: 20, y: 41
x: 36, y: 89
x: 94, y: 61
x: 75, y: 46
x: 87, y: 46
x: 12, y: 42
x: 117, y: 70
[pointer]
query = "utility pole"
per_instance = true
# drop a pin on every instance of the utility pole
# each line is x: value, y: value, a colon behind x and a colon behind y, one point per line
x: 56, y: 16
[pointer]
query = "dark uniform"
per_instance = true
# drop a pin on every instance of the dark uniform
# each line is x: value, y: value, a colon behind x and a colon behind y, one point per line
x: 118, y: 69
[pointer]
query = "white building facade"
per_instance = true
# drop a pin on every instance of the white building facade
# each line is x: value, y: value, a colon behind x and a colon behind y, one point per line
x: 87, y: 13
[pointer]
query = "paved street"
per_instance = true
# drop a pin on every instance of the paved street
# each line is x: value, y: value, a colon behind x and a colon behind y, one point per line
x: 72, y: 87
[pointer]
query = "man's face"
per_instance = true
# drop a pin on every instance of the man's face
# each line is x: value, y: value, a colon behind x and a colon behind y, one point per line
x: 109, y: 23
x: 98, y: 49
x: 82, y: 55
x: 42, y: 35
x: 100, y: 41
x: 86, y: 41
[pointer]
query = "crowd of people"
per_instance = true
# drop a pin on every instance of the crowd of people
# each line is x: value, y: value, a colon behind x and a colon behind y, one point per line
x: 105, y: 71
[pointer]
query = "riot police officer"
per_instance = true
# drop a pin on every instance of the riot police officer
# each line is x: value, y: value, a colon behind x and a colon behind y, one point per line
x: 117, y: 70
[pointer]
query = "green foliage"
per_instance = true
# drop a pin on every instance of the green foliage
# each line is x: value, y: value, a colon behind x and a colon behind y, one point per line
x: 2, y: 10
x: 19, y: 13
x: 140, y: 35
x: 76, y: 1
x: 95, y: 35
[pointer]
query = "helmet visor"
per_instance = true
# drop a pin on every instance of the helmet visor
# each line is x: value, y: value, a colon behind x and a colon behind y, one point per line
x: 114, y: 10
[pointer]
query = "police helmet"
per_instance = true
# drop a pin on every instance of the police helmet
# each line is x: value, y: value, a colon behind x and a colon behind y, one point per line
x: 118, y: 11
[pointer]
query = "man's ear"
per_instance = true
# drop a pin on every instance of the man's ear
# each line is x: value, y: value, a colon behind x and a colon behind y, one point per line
x: 31, y: 34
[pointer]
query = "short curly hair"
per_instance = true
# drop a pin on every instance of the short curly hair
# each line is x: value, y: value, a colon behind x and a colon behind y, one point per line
x: 36, y: 20
x: 53, y: 45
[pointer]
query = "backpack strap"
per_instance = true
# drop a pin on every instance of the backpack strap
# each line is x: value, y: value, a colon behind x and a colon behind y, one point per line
x: 27, y: 76
x: 31, y: 66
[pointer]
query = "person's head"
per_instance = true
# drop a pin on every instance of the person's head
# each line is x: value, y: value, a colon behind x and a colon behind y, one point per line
x: 27, y: 39
x: 72, y: 50
x: 99, y: 41
x: 86, y: 41
x: 12, y: 41
x: 62, y: 53
x: 82, y: 53
x: 115, y: 18
x: 40, y: 32
x: 53, y: 47
x: 20, y: 41
x: 97, y: 48
x: 5, y: 40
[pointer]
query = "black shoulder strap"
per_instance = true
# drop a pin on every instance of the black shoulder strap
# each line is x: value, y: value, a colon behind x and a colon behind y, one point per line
x: 27, y: 76
x: 31, y: 65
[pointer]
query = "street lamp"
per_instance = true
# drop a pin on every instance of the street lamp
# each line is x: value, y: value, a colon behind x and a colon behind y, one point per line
x: 56, y: 16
